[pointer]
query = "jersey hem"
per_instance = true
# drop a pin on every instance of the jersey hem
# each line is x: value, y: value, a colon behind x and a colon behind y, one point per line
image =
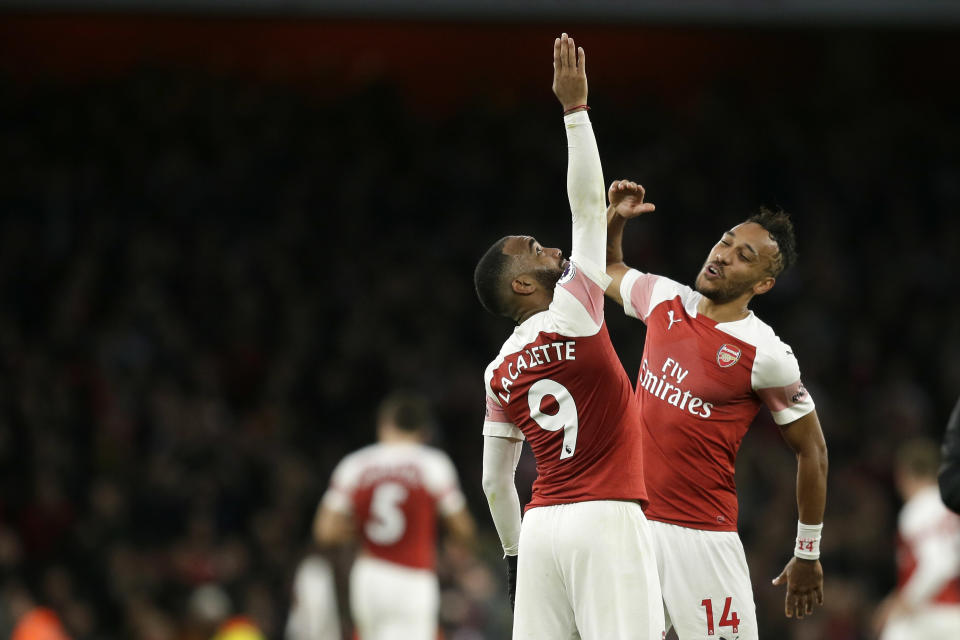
x: 553, y: 503
x: 699, y: 526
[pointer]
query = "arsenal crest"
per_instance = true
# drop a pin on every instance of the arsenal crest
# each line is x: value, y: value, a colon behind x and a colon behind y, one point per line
x: 728, y: 355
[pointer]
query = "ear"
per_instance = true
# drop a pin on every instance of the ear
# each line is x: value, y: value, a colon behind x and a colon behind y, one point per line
x: 523, y: 285
x: 764, y: 285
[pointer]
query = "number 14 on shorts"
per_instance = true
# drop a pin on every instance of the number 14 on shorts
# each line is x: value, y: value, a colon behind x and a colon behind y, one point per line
x: 727, y: 619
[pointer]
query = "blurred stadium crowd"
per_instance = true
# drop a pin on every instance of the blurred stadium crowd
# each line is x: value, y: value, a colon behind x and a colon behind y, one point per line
x: 208, y: 282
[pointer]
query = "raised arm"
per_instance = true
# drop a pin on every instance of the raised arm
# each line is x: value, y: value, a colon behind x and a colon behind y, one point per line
x: 626, y: 201
x: 584, y: 172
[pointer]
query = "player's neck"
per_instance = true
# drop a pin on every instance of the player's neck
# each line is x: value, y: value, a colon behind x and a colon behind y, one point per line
x: 730, y: 311
x: 523, y: 315
x: 392, y: 435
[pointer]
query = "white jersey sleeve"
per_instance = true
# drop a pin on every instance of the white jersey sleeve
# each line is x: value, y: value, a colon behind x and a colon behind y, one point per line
x: 776, y: 379
x: 642, y: 292
x: 495, y: 420
x: 586, y: 193
x: 440, y: 478
x: 343, y: 483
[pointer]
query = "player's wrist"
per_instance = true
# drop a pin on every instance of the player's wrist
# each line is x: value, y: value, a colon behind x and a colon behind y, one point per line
x: 807, y: 546
x: 575, y: 107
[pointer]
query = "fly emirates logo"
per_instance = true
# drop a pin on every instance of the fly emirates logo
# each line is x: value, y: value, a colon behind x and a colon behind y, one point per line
x: 666, y: 386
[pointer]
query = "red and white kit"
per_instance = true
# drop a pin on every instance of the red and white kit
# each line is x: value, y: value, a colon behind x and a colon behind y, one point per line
x: 585, y: 562
x: 701, y: 384
x: 394, y: 492
x: 928, y: 563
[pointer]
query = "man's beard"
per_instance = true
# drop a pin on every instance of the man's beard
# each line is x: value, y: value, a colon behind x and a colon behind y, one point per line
x: 723, y: 294
x: 547, y: 277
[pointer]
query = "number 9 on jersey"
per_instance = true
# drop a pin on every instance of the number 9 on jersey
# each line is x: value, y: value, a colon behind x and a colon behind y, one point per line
x: 564, y: 418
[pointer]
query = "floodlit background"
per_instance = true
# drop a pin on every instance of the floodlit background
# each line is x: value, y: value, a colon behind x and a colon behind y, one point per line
x: 227, y: 229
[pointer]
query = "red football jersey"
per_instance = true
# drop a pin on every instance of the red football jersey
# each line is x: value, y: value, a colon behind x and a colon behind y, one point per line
x: 928, y: 551
x: 701, y: 384
x: 558, y: 383
x: 394, y: 492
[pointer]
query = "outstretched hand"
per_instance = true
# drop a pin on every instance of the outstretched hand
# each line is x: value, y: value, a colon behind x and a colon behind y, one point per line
x: 569, y: 73
x: 626, y: 199
x: 804, y: 580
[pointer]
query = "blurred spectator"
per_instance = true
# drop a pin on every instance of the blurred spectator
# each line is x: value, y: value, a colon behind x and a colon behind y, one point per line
x: 313, y: 613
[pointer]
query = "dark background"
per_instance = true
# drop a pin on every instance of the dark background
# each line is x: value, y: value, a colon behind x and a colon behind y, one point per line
x: 224, y: 238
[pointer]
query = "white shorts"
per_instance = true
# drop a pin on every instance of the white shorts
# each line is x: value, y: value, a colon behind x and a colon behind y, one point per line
x: 707, y: 594
x: 392, y: 602
x: 586, y: 570
x: 936, y: 622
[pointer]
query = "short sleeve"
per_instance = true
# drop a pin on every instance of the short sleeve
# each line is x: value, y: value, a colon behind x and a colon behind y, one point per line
x: 642, y: 292
x: 442, y: 483
x: 578, y: 299
x: 636, y: 290
x: 342, y: 485
x: 776, y: 379
x: 496, y: 423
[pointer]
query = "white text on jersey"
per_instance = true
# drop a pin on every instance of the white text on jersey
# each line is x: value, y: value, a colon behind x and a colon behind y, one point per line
x: 659, y: 387
x: 535, y: 356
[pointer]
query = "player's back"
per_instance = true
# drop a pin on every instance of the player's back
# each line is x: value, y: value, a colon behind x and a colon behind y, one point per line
x: 559, y: 384
x: 395, y: 491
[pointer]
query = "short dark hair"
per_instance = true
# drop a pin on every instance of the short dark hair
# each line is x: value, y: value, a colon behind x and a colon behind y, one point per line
x: 488, y: 278
x: 780, y: 227
x: 407, y: 410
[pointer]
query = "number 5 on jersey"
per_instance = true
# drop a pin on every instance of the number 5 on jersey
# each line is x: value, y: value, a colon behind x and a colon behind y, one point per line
x: 552, y: 408
x: 387, y: 522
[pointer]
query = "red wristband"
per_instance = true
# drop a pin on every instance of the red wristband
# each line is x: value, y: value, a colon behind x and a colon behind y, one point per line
x: 579, y: 106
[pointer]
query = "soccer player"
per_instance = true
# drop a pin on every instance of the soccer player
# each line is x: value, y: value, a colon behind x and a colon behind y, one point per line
x: 585, y: 567
x: 388, y: 495
x: 708, y: 365
x: 926, y: 602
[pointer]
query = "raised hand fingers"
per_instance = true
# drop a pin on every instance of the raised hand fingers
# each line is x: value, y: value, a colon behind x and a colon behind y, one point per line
x: 627, y: 185
x: 557, y: 54
x: 570, y: 51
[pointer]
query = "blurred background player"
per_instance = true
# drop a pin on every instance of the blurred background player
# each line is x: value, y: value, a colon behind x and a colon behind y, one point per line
x: 583, y: 562
x: 313, y: 612
x: 708, y: 366
x: 926, y: 602
x: 949, y: 475
x: 387, y: 495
